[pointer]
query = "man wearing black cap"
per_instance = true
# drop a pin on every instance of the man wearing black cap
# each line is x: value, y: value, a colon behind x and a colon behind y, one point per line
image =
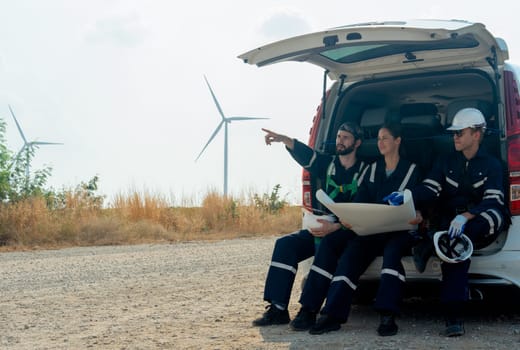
x: 340, y: 173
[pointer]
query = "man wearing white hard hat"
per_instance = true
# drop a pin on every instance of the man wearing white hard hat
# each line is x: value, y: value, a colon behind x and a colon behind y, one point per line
x: 468, y: 185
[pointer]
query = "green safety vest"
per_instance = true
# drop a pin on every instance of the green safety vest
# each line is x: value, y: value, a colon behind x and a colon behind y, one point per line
x: 333, y: 189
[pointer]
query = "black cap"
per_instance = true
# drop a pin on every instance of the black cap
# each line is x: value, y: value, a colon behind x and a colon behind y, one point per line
x: 352, y: 128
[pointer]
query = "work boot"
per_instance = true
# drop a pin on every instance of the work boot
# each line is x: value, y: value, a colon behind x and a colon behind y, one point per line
x: 304, y: 320
x: 325, y: 324
x: 421, y: 253
x: 272, y: 316
x: 387, y: 326
x: 454, y: 328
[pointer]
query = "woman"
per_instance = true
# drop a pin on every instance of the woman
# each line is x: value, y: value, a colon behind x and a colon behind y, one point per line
x: 389, y: 174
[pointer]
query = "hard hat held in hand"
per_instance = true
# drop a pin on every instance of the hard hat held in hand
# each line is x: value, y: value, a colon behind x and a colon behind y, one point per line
x: 452, y: 250
x: 310, y: 220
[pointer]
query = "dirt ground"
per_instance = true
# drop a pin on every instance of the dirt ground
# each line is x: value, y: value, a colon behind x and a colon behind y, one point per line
x: 195, y: 296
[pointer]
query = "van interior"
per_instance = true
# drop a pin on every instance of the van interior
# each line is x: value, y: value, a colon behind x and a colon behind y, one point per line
x: 425, y: 105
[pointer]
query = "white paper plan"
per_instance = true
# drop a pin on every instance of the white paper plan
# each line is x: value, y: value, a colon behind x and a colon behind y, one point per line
x: 368, y: 218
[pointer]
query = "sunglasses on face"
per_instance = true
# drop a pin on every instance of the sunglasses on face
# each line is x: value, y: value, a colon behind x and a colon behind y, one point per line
x: 458, y: 133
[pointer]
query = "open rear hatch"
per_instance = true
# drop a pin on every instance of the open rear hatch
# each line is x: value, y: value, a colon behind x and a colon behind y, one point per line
x: 381, y: 49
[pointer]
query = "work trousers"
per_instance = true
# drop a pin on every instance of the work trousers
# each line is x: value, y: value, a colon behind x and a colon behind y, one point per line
x: 288, y: 251
x: 455, y: 287
x: 337, y: 281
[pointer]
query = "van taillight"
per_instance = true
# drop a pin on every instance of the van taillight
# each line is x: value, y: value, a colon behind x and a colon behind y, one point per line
x: 513, y: 156
x: 513, y: 139
x: 515, y: 196
x: 306, y: 176
x: 306, y: 190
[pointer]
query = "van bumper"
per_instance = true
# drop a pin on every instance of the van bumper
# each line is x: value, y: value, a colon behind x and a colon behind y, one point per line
x: 501, y: 268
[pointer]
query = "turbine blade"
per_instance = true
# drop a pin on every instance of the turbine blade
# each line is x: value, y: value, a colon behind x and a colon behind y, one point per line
x: 45, y: 143
x: 17, y: 125
x: 244, y: 118
x: 215, y: 99
x: 211, y: 138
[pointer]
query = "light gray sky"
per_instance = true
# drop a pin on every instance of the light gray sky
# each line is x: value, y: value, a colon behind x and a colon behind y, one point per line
x: 120, y: 83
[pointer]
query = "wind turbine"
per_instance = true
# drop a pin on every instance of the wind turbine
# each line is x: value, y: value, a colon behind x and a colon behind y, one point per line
x: 225, y: 121
x: 27, y: 145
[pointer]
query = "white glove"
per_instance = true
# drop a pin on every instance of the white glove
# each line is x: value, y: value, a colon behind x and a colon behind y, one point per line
x: 457, y: 226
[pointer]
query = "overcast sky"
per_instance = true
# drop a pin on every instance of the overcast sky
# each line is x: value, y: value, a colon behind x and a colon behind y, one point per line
x: 120, y: 83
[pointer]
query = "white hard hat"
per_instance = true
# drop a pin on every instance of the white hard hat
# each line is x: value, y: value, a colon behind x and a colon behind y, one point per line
x: 468, y: 118
x: 310, y: 220
x: 452, y: 250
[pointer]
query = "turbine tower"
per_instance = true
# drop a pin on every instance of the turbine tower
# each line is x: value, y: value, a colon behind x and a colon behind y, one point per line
x: 27, y: 145
x: 225, y: 121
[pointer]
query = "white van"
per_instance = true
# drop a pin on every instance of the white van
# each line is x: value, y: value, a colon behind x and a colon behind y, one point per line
x: 422, y: 73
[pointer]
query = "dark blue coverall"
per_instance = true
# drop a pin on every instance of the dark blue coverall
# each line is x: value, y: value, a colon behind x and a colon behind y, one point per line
x: 293, y: 248
x: 461, y: 185
x: 337, y: 280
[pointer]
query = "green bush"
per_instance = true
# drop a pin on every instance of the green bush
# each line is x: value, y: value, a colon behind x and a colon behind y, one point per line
x: 270, y: 203
x: 17, y: 183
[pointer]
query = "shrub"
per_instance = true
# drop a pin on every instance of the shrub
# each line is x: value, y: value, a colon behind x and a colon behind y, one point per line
x: 270, y: 203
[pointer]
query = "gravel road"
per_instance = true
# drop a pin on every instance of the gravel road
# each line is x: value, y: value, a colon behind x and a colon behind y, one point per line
x: 200, y: 295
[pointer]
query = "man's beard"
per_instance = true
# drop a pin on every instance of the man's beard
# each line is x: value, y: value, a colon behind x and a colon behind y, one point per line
x: 344, y: 151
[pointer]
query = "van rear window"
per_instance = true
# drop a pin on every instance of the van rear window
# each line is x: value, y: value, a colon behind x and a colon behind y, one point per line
x: 351, y: 53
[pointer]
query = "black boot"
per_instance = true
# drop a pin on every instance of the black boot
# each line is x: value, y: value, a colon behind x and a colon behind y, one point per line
x: 272, y: 316
x: 387, y: 326
x: 304, y: 320
x: 454, y: 328
x: 325, y: 324
x: 452, y: 314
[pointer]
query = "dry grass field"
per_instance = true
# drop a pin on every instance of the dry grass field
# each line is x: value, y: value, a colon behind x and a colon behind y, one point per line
x: 139, y: 217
